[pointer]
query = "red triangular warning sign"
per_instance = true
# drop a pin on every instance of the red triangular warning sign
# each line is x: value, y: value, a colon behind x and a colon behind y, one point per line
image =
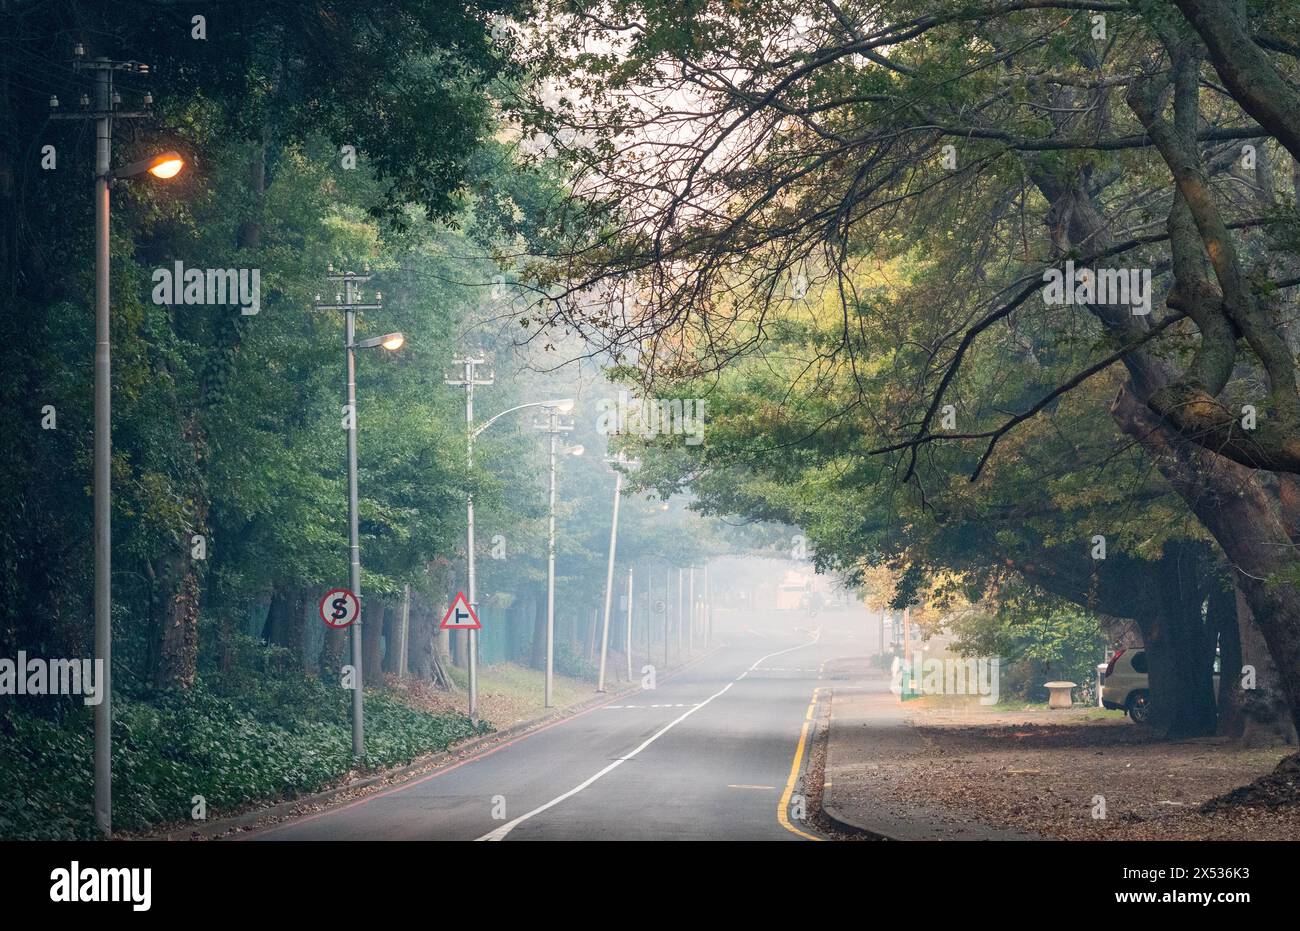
x: 460, y: 616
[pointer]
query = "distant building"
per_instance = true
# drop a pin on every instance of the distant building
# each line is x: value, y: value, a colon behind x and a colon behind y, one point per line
x: 790, y: 593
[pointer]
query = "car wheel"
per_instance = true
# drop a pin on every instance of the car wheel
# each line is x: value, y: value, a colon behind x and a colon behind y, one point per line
x: 1139, y: 707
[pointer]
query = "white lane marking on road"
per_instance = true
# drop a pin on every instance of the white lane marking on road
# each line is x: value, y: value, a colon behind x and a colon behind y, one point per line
x: 501, y: 832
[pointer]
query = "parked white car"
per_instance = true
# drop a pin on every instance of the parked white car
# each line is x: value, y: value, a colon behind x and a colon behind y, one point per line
x: 1124, y: 684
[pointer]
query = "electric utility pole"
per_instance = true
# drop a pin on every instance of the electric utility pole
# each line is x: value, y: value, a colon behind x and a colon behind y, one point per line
x: 668, y: 594
x: 350, y: 301
x: 690, y: 630
x: 469, y: 379
x: 554, y: 427
x: 619, y: 463
x: 681, y: 611
x: 628, y: 637
x: 104, y: 110
x: 708, y: 610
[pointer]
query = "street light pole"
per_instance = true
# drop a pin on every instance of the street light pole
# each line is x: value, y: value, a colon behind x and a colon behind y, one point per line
x: 609, y: 584
x: 472, y: 432
x: 708, y: 610
x: 354, y: 543
x: 351, y: 302
x: 103, y: 455
x: 628, y: 638
x: 648, y: 622
x: 553, y: 427
x: 616, y: 461
x: 550, y: 574
x: 469, y: 379
x: 690, y: 622
x: 470, y: 573
x: 681, y: 597
x: 668, y: 593
x: 106, y: 108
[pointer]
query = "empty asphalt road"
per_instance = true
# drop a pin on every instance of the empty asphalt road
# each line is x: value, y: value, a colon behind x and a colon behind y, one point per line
x: 715, y: 752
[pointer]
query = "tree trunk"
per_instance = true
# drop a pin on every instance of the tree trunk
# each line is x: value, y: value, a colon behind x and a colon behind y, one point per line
x: 175, y: 652
x: 442, y: 646
x: 1180, y: 654
x: 1246, y: 69
x: 372, y: 633
x: 1246, y: 521
x: 392, y: 632
x: 1182, y: 696
x: 428, y: 649
x: 332, y: 651
x: 539, y: 632
x: 249, y: 235
x: 179, y: 648
x: 276, y: 629
x: 299, y: 634
x: 1264, y: 718
x: 423, y: 641
x: 1229, y: 500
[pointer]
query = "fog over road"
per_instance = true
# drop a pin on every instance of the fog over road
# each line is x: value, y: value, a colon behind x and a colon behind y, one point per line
x: 716, y: 751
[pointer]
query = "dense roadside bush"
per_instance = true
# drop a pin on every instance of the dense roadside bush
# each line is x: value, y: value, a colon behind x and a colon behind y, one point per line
x: 289, y: 737
x: 570, y: 661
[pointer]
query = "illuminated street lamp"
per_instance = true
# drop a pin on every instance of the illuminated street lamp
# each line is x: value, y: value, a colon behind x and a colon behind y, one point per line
x: 392, y: 342
x: 163, y: 165
x: 352, y: 301
x: 106, y: 109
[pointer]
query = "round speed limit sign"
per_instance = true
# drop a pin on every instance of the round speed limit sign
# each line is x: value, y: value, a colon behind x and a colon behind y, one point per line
x: 339, y: 607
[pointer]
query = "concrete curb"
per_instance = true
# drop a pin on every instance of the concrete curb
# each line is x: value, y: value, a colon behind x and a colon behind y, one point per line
x: 209, y: 830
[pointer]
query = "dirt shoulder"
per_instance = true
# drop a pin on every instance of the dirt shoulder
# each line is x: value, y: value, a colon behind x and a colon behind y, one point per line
x: 1048, y: 773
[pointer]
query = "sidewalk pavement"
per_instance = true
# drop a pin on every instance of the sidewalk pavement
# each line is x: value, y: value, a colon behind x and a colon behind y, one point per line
x: 867, y: 729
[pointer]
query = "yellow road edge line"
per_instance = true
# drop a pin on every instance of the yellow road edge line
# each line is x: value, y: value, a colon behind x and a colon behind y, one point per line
x: 783, y: 806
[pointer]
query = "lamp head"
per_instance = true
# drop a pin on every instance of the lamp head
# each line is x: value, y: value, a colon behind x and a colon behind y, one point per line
x: 166, y: 165
x: 163, y: 165
x: 391, y: 341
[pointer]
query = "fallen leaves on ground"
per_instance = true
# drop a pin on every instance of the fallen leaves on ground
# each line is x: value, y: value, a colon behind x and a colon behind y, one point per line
x: 1022, y: 772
